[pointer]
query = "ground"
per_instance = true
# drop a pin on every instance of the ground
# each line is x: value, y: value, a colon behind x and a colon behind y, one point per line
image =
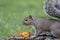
x: 13, y: 12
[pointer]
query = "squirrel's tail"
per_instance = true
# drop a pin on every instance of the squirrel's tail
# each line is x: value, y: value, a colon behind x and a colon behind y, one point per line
x: 52, y: 8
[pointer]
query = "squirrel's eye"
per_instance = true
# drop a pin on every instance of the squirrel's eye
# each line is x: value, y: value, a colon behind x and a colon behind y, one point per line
x: 26, y: 20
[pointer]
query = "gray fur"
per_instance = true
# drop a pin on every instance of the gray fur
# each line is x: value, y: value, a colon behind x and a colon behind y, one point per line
x: 52, y: 8
x: 46, y: 25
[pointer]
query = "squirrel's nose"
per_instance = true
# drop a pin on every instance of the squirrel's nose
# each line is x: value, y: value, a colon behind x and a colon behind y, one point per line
x: 26, y: 23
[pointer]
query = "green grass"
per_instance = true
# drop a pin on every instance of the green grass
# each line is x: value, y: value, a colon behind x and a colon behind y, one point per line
x: 12, y: 13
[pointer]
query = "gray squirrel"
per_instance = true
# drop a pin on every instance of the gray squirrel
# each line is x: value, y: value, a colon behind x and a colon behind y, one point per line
x: 50, y: 25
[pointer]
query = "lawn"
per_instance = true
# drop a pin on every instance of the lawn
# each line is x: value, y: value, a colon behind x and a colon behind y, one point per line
x: 13, y: 12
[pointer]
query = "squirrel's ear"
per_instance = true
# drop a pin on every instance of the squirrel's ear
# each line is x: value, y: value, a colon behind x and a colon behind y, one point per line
x: 30, y: 16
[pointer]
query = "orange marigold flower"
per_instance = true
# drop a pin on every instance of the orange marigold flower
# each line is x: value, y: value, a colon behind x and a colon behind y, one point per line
x: 24, y: 34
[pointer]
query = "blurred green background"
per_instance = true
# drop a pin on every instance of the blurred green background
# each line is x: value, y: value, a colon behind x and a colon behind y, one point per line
x: 13, y: 12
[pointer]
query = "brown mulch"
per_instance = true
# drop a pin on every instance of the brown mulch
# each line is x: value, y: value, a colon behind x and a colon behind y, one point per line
x: 40, y: 37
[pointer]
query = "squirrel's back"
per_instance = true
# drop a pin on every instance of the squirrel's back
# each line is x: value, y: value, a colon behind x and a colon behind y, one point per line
x: 44, y: 23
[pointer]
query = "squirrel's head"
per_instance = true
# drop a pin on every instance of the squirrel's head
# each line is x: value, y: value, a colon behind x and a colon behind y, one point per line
x: 28, y: 20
